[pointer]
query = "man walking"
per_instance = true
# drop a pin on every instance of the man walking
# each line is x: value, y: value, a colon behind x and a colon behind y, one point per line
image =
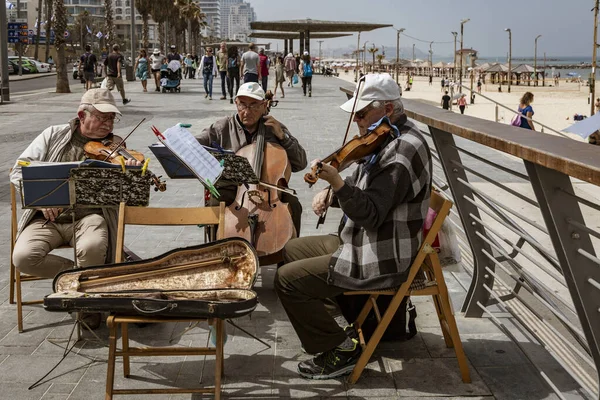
x: 112, y: 70
x: 264, y: 63
x: 249, y: 68
x: 222, y: 66
x: 446, y: 101
x: 87, y: 67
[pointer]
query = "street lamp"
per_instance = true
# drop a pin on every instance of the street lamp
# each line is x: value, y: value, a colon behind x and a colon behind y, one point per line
x: 413, y: 53
x: 364, y: 64
x: 455, y: 34
x: 430, y: 59
x: 357, y: 57
x: 399, y: 31
x: 535, y: 60
x: 509, y: 58
x: 462, y: 23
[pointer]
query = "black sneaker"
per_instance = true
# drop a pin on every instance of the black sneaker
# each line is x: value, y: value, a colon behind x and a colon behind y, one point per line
x: 157, y: 90
x: 350, y: 331
x: 331, y: 364
x: 125, y: 101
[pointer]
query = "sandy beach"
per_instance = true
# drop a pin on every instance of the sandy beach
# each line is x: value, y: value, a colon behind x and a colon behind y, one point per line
x: 552, y: 105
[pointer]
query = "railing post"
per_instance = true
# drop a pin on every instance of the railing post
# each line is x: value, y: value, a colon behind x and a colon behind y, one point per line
x: 496, y: 118
x: 447, y: 152
x: 559, y: 207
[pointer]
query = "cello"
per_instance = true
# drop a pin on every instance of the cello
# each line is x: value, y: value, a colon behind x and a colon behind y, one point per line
x: 257, y: 214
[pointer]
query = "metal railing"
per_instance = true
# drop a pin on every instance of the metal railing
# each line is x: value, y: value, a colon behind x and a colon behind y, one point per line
x: 527, y: 234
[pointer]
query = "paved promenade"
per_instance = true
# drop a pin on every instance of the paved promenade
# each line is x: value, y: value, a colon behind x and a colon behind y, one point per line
x: 420, y: 368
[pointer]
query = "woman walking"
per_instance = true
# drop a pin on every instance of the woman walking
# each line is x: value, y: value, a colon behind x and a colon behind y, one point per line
x: 141, y: 68
x: 527, y: 111
x: 279, y: 76
x: 290, y: 68
x: 306, y: 71
x: 462, y: 103
x: 233, y: 71
x: 208, y: 66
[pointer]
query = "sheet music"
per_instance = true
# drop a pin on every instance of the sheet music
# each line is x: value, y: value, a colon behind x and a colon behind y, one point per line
x: 185, y: 146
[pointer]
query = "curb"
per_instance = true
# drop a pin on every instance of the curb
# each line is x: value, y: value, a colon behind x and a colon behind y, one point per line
x: 17, y: 78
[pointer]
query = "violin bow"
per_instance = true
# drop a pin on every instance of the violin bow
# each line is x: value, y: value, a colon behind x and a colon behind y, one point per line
x: 123, y: 141
x: 321, y: 219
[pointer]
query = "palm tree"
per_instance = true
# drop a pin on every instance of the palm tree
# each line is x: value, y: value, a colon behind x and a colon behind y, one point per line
x: 160, y: 13
x: 62, y: 78
x: 192, y: 16
x: 38, y: 30
x: 144, y: 7
x: 49, y: 15
x: 380, y: 58
x: 373, y: 50
x: 109, y: 27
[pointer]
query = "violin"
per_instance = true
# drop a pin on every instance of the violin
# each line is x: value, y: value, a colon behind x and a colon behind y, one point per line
x: 112, y: 150
x: 354, y: 150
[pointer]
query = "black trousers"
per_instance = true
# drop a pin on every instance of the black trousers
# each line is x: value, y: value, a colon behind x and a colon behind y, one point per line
x: 233, y: 77
x: 302, y: 287
x: 307, y: 82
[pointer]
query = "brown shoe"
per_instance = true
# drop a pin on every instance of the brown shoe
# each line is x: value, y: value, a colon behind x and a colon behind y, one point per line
x: 223, y: 98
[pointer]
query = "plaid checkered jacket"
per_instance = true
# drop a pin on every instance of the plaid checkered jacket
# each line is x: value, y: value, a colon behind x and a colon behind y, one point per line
x: 385, y: 202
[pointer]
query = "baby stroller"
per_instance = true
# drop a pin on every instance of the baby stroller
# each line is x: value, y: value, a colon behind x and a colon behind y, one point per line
x: 328, y: 72
x: 170, y: 77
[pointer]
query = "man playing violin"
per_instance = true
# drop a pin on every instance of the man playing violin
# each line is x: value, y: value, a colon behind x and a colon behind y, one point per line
x: 42, y: 230
x: 240, y: 129
x: 384, y: 202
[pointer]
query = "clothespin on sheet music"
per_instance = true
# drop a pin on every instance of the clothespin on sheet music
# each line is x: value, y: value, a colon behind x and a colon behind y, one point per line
x: 212, y: 189
x: 181, y: 124
x: 145, y: 166
x: 216, y: 146
x: 23, y: 163
x: 157, y: 133
x: 122, y: 162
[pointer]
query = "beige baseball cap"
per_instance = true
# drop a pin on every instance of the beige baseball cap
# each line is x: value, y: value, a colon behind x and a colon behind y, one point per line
x: 101, y: 99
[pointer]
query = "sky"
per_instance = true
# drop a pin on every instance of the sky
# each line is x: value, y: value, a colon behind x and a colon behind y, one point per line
x: 566, y: 26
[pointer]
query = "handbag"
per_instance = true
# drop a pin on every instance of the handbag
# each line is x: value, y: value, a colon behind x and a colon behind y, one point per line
x: 295, y: 79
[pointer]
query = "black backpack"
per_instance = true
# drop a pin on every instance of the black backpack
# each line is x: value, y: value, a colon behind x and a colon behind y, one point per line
x: 88, y: 64
x: 402, y: 327
x: 232, y: 62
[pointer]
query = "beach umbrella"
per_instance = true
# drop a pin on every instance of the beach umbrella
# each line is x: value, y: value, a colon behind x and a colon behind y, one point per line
x: 573, y: 74
x: 586, y: 127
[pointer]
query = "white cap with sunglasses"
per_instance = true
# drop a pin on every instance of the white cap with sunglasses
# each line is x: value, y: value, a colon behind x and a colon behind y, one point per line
x: 376, y: 87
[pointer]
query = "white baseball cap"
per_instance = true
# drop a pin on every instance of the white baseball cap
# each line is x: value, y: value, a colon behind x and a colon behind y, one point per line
x: 252, y: 90
x: 376, y: 87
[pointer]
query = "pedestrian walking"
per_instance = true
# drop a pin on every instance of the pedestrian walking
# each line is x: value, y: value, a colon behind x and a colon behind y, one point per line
x: 249, y: 65
x: 279, y: 76
x: 208, y: 66
x: 290, y: 68
x: 306, y: 73
x: 264, y: 64
x: 479, y: 86
x: 443, y: 84
x: 526, y: 110
x: 597, y: 105
x: 141, y: 68
x: 462, y: 103
x: 87, y: 67
x: 446, y: 101
x: 190, y: 70
x: 156, y: 61
x: 233, y: 71
x: 430, y: 80
x: 112, y: 69
x: 222, y: 66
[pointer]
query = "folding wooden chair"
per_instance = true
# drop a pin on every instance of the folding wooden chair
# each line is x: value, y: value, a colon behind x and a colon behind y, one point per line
x: 164, y: 217
x: 16, y: 278
x: 427, y: 261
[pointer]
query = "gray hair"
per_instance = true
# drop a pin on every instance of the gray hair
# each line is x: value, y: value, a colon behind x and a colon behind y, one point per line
x: 398, y: 108
x: 86, y: 107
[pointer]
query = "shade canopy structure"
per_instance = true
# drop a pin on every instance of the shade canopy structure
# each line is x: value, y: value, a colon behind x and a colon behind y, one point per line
x: 523, y: 68
x: 307, y: 27
x: 295, y: 35
x: 497, y: 68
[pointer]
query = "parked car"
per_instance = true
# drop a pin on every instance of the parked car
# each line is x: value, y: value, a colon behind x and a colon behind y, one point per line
x: 25, y: 62
x: 41, y: 67
x: 15, y: 66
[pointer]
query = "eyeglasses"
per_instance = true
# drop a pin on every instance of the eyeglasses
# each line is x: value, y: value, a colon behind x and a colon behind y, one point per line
x: 252, y: 107
x: 108, y: 118
x: 363, y: 113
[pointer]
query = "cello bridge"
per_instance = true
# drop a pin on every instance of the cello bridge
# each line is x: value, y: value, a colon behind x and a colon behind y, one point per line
x: 255, y: 196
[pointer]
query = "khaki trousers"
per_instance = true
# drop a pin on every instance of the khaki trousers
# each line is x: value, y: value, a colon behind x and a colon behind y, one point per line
x: 113, y: 81
x: 301, y: 284
x: 34, y: 243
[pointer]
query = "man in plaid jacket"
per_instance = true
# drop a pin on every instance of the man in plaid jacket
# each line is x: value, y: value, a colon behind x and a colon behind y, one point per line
x: 385, y: 202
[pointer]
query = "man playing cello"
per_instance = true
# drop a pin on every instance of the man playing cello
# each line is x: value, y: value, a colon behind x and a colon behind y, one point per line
x: 385, y: 202
x: 240, y: 129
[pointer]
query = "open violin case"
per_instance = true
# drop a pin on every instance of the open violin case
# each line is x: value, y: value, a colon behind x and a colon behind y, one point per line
x: 212, y: 280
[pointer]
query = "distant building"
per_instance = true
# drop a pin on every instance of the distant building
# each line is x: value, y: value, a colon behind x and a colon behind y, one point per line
x: 239, y: 17
x: 212, y: 10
